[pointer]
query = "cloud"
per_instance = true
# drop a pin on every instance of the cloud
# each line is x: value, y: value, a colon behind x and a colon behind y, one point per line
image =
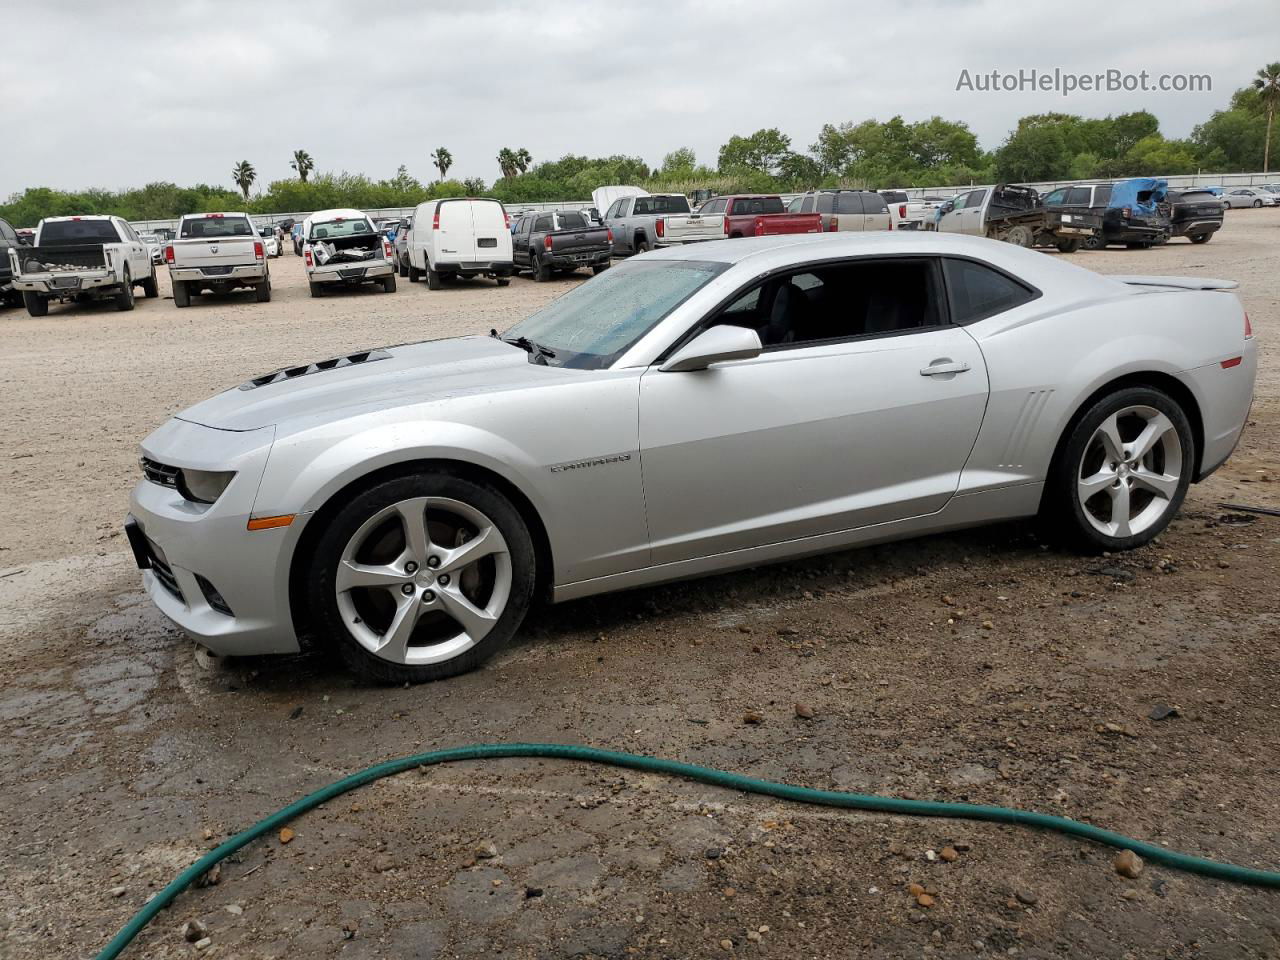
x: 120, y: 94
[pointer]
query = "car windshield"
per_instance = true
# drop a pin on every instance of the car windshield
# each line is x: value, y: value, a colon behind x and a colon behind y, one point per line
x: 215, y: 225
x: 340, y: 227
x: 595, y: 323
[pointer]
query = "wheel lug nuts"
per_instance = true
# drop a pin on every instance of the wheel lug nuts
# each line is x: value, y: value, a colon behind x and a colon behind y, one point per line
x: 443, y: 579
x: 433, y: 562
x: 407, y: 589
x: 410, y: 567
x: 428, y: 596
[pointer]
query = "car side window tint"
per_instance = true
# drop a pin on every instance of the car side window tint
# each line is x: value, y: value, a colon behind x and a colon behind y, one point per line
x: 851, y: 203
x: 542, y: 223
x: 1056, y: 197
x: 977, y: 291
x: 1078, y: 196
x: 826, y: 203
x: 807, y: 205
x: 873, y: 297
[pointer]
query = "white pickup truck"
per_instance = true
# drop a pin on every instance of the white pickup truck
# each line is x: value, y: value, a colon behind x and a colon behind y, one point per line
x: 341, y: 247
x: 218, y: 252
x: 905, y: 213
x: 645, y: 221
x: 82, y: 258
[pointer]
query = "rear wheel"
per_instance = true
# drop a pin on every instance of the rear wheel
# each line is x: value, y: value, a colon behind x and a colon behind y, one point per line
x: 1069, y: 245
x: 433, y: 280
x: 1019, y: 235
x: 263, y: 290
x: 642, y: 244
x: 422, y: 577
x: 403, y: 269
x: 389, y: 283
x: 1123, y: 471
x: 503, y: 281
x: 181, y: 294
x: 1095, y: 242
x: 150, y: 288
x: 540, y: 271
x: 317, y: 290
x: 36, y: 305
x: 1200, y: 237
x: 599, y: 268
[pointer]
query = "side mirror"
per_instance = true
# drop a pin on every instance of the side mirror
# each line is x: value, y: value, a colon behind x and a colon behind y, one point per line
x: 714, y: 346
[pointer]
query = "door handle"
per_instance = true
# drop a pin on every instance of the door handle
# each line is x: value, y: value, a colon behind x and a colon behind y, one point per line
x: 943, y: 368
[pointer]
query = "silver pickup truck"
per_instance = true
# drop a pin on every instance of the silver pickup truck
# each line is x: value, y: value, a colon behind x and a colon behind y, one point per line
x: 219, y: 252
x: 658, y: 220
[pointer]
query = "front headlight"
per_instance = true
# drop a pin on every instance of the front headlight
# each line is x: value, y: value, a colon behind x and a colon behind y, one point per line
x: 203, y: 486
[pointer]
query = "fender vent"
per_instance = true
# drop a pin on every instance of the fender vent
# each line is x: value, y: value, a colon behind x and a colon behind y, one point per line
x: 292, y: 373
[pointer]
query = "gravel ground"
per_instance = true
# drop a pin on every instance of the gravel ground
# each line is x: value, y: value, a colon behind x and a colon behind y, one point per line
x: 978, y: 666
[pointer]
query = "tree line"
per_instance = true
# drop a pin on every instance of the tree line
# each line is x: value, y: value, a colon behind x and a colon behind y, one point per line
x: 874, y: 154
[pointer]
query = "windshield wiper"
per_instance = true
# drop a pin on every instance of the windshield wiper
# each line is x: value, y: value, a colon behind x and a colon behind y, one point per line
x: 537, y: 352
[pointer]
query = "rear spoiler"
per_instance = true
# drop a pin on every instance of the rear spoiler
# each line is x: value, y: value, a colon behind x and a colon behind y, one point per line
x: 1179, y: 283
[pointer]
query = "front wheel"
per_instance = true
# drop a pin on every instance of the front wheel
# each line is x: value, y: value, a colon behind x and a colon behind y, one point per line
x: 36, y: 305
x: 422, y: 577
x: 1123, y: 471
x: 1257, y: 203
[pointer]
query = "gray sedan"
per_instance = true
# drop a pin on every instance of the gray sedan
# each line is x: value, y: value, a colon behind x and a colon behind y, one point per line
x: 691, y: 411
x: 1249, y: 197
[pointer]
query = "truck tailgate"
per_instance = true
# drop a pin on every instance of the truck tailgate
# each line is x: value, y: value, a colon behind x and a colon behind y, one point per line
x: 774, y: 224
x: 213, y: 251
x: 686, y: 228
x: 592, y: 239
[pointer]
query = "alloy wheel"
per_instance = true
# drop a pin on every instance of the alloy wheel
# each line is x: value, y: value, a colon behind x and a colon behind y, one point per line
x: 423, y: 580
x: 1130, y: 471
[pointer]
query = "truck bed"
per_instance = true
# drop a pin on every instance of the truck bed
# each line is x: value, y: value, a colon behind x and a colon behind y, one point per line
x: 61, y: 258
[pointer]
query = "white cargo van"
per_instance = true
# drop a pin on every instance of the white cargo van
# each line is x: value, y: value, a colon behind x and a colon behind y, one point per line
x: 460, y: 237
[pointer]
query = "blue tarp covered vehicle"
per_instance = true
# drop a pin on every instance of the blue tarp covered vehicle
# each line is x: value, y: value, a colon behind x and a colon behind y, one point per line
x: 1138, y: 212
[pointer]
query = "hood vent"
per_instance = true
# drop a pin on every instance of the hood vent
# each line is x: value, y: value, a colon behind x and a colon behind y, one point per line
x: 292, y: 373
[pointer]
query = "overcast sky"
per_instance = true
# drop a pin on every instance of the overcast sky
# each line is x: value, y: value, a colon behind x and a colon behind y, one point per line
x: 118, y: 94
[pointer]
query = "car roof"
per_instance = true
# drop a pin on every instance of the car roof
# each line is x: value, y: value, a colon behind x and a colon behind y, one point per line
x: 87, y: 216
x: 215, y: 213
x: 345, y: 213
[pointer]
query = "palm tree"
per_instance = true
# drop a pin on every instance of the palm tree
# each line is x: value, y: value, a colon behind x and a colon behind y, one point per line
x: 507, y: 162
x: 1267, y: 83
x: 303, y: 163
x: 243, y: 174
x: 443, y: 160
x: 522, y: 159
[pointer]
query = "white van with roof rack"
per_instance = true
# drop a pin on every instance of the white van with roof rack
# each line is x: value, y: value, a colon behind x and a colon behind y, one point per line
x: 460, y: 237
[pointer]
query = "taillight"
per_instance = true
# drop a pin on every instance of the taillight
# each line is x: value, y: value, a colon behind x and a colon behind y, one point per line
x: 660, y: 227
x: 1126, y: 212
x: 1248, y: 328
x: 386, y: 249
x: 306, y: 255
x: 546, y: 241
x: 168, y: 258
x: 726, y: 224
x: 257, y: 249
x: 832, y: 225
x: 891, y: 223
x: 508, y: 216
x: 435, y: 220
x: 609, y: 235
x: 759, y: 227
x: 902, y: 211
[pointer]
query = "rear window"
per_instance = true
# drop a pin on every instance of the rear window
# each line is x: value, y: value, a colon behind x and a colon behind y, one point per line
x: 895, y: 196
x: 343, y: 227
x: 1077, y: 196
x: 1193, y: 196
x: 68, y: 233
x: 647, y: 205
x: 754, y: 205
x: 215, y: 227
x: 572, y: 221
x: 851, y: 203
x: 1102, y: 195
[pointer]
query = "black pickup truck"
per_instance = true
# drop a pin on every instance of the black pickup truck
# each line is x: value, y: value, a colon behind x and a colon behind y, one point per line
x: 1017, y: 215
x: 8, y: 238
x: 549, y: 241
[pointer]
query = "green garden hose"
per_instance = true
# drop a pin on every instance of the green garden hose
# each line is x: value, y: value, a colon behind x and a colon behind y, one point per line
x: 719, y: 778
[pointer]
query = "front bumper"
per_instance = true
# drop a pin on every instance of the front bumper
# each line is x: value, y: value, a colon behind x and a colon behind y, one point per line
x: 243, y: 273
x: 177, y: 543
x: 355, y: 273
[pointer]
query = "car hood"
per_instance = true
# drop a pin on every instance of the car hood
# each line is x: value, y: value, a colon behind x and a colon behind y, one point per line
x: 387, y: 377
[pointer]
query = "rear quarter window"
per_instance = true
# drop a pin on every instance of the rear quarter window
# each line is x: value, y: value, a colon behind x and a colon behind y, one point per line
x: 977, y: 291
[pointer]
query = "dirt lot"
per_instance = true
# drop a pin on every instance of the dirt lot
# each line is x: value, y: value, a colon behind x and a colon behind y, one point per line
x: 978, y: 666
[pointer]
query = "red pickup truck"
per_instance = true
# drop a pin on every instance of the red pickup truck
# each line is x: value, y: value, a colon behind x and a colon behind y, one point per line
x: 760, y: 215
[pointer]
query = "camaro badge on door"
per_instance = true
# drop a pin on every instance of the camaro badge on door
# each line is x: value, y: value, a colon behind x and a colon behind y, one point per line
x: 594, y: 462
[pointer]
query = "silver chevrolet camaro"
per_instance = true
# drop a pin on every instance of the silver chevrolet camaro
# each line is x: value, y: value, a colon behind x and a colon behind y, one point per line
x: 690, y: 411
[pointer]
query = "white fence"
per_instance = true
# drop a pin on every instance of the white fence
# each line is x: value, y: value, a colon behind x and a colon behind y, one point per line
x: 1178, y: 181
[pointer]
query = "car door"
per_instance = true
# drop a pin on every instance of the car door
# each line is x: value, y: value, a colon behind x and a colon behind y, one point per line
x: 520, y: 241
x: 862, y: 409
x: 953, y: 219
x: 138, y: 256
x: 455, y: 240
x: 973, y: 221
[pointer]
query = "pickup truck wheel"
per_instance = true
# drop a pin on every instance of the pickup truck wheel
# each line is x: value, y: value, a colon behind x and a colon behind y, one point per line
x: 642, y: 244
x: 503, y: 281
x: 403, y: 269
x: 434, y: 282
x: 599, y: 268
x: 421, y: 577
x: 263, y: 291
x: 1069, y: 245
x: 181, y: 294
x: 1019, y: 235
x: 149, y: 286
x: 389, y: 283
x: 540, y: 271
x: 36, y: 305
x: 1094, y: 242
x: 316, y: 289
x: 124, y: 298
x: 1200, y: 237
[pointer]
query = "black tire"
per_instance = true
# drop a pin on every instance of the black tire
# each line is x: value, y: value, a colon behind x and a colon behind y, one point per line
x: 124, y: 296
x: 599, y: 268
x: 434, y: 281
x: 1069, y: 244
x: 181, y: 294
x: 1095, y: 242
x: 263, y: 290
x: 1257, y: 203
x: 150, y: 288
x: 1135, y: 246
x: 317, y: 290
x: 389, y: 283
x: 503, y: 281
x: 414, y: 273
x: 1062, y: 513
x: 403, y: 269
x: 540, y: 271
x: 642, y: 244
x: 323, y: 563
x: 1200, y: 237
x: 36, y: 305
